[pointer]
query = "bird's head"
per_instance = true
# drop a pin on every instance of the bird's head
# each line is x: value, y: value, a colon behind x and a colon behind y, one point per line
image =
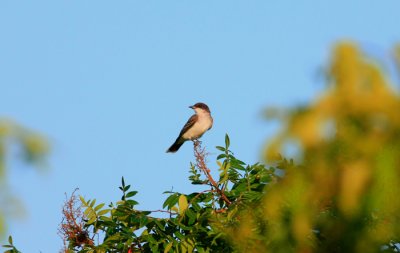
x: 200, y: 108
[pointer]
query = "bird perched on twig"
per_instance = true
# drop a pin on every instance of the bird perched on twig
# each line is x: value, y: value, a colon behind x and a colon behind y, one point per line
x: 195, y: 127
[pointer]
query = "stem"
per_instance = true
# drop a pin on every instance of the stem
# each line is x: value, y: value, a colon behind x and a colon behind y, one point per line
x: 200, y: 155
x: 163, y: 211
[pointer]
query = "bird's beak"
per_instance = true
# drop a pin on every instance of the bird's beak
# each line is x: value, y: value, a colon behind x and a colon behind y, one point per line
x: 191, y: 107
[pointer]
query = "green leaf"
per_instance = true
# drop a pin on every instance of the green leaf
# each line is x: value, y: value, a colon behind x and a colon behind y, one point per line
x: 102, y: 212
x: 232, y: 213
x: 83, y: 200
x: 151, y: 239
x: 168, y: 192
x: 171, y: 200
x: 98, y: 207
x: 92, y: 220
x: 196, y: 206
x: 220, y: 156
x: 10, y: 240
x: 120, y: 202
x: 123, y: 182
x: 192, y: 216
x: 145, y: 232
x: 188, y: 245
x: 227, y: 141
x: 87, y: 212
x: 105, y: 218
x: 179, y: 235
x: 132, y: 202
x: 131, y: 194
x: 114, y: 238
x: 143, y: 221
x: 158, y: 223
x: 220, y: 148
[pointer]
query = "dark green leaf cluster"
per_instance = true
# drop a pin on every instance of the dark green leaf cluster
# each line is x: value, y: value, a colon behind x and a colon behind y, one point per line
x: 194, y: 222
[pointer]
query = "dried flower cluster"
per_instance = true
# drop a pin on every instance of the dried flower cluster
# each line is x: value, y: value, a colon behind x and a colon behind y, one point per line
x: 72, y: 229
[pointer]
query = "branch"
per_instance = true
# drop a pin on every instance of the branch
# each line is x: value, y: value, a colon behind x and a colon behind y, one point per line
x: 200, y: 155
x: 164, y: 211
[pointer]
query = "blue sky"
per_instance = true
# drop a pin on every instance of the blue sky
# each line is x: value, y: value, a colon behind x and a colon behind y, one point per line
x: 110, y: 82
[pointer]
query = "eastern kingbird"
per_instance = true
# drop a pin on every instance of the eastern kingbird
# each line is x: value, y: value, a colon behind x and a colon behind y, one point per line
x: 195, y: 127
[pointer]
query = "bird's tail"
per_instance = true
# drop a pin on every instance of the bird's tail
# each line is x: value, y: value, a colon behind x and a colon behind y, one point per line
x: 177, y: 144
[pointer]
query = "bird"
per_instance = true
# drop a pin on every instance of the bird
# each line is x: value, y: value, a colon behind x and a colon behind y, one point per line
x: 195, y: 127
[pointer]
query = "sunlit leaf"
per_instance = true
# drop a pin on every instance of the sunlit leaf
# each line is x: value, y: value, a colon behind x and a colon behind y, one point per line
x: 183, y: 204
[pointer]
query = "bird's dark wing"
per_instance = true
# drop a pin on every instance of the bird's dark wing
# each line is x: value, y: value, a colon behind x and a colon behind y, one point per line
x: 188, y: 124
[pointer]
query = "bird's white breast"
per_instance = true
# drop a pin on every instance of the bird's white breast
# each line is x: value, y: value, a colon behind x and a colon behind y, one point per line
x: 204, y: 122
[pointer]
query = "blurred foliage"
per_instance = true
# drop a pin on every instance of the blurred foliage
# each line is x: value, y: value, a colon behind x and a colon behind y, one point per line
x: 345, y: 195
x: 31, y: 148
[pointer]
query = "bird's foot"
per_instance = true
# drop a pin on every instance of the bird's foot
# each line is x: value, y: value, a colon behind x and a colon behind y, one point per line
x: 196, y: 142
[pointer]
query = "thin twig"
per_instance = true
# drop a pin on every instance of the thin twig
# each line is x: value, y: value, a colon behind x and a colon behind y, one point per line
x: 200, y: 155
x: 163, y: 211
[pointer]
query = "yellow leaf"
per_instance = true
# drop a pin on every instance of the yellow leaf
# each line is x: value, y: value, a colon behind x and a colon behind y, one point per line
x: 175, y: 209
x: 167, y: 249
x: 183, y: 204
